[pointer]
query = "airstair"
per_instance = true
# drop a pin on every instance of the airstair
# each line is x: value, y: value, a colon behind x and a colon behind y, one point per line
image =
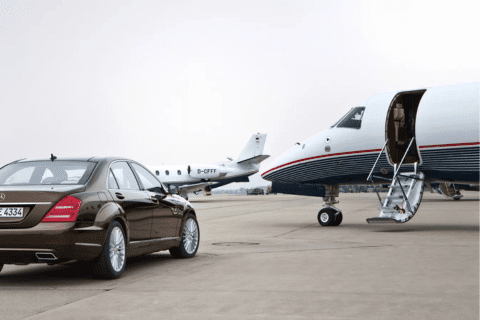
x: 404, y: 195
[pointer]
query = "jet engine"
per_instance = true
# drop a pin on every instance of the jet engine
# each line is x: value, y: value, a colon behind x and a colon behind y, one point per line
x: 206, y: 172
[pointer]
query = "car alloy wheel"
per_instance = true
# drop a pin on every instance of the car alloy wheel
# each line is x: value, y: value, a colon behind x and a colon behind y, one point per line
x: 190, y: 236
x: 112, y: 260
x: 117, y: 249
x: 190, y: 239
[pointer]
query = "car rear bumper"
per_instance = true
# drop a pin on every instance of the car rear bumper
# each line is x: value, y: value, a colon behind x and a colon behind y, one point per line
x: 50, y: 243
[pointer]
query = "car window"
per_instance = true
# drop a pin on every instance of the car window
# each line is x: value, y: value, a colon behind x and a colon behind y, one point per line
x: 46, y: 172
x: 112, y: 183
x: 124, y: 176
x: 148, y: 180
x: 21, y: 176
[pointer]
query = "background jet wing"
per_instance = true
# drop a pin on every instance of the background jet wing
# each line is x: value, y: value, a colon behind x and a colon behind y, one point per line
x: 193, y: 187
x: 254, y: 160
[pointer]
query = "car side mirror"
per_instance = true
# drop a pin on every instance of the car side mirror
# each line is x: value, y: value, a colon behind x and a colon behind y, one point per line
x: 172, y: 189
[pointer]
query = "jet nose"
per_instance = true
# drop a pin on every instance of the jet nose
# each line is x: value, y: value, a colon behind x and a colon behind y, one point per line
x: 266, y: 174
x: 275, y: 172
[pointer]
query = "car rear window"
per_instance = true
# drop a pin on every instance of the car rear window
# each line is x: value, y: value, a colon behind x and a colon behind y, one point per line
x: 46, y: 172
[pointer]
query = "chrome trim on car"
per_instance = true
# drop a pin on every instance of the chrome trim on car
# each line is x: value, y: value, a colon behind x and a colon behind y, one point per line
x: 91, y: 228
x: 23, y: 203
x: 89, y: 244
x: 45, y: 256
x: 151, y: 240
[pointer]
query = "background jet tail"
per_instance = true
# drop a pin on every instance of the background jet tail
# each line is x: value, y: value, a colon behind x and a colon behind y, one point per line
x: 253, y: 150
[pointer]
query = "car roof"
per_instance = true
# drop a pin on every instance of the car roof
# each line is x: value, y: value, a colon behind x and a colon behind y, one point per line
x: 89, y: 159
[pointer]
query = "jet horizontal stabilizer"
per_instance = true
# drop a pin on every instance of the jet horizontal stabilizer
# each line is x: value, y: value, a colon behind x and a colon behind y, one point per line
x: 254, y: 160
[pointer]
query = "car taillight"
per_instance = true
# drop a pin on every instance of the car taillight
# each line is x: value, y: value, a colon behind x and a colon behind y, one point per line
x: 66, y: 210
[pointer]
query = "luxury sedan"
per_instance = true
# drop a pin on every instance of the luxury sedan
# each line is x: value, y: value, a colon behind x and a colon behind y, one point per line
x: 101, y: 210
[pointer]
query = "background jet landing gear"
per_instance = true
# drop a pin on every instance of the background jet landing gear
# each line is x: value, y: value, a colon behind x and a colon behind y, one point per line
x: 330, y: 216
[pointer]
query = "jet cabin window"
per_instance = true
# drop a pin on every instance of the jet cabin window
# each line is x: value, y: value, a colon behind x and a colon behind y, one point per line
x: 353, y: 119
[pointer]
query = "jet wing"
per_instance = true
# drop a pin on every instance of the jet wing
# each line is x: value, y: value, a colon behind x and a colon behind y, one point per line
x: 254, y: 160
x: 193, y: 187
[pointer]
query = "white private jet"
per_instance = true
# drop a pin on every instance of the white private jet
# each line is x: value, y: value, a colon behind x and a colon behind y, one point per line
x: 204, y: 177
x: 429, y: 136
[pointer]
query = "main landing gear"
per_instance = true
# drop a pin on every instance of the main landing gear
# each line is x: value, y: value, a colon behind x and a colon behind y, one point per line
x: 330, y: 216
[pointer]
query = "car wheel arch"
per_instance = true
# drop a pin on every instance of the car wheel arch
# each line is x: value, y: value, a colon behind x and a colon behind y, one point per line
x: 123, y: 223
x: 184, y: 220
x: 111, y: 212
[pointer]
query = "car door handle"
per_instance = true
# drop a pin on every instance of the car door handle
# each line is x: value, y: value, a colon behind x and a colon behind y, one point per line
x: 119, y: 195
x: 154, y: 199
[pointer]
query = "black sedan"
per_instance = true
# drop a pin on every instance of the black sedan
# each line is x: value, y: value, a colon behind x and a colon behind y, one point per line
x: 101, y: 210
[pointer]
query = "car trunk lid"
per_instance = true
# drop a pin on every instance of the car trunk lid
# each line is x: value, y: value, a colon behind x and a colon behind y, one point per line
x: 34, y: 201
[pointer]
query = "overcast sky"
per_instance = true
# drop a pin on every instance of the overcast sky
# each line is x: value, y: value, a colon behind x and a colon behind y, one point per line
x: 177, y: 82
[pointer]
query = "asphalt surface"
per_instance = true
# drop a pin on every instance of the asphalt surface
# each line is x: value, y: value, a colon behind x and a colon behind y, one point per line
x: 266, y: 257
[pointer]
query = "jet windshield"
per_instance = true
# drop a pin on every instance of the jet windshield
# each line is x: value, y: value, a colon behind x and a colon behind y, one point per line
x: 353, y: 119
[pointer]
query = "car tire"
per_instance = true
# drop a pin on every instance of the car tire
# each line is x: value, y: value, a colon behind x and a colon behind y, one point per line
x: 112, y: 260
x: 190, y: 240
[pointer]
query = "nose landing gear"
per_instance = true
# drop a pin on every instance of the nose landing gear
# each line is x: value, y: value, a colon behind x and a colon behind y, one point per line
x: 330, y: 216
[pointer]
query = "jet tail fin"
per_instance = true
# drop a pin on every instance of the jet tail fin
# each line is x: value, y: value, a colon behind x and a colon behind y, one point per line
x: 254, y: 148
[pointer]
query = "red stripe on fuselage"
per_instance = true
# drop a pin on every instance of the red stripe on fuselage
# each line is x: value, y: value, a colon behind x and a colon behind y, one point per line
x: 367, y: 151
x: 451, y: 145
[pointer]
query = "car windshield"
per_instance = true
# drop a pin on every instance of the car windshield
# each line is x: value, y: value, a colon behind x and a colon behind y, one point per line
x: 46, y: 172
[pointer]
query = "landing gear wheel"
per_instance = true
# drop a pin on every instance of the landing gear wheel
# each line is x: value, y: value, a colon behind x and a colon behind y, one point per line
x: 338, y: 218
x: 190, y: 240
x: 329, y: 217
x: 112, y: 260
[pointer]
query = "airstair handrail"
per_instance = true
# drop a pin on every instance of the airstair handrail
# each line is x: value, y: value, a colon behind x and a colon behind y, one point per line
x: 379, y: 155
x: 401, y: 162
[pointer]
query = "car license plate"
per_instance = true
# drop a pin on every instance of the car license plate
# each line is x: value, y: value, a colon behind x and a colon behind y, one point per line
x: 11, y: 212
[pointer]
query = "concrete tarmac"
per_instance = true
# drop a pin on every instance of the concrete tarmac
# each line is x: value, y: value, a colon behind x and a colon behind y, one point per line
x: 266, y: 257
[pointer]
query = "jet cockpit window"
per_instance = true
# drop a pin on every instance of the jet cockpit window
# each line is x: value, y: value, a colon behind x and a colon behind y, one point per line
x: 353, y: 119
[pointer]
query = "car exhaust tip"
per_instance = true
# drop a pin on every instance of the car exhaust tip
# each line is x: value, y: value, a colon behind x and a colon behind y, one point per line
x: 45, y: 256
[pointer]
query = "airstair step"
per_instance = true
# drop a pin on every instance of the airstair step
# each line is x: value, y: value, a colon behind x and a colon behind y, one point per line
x: 395, y: 197
x: 397, y: 186
x: 379, y: 220
x: 389, y: 211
